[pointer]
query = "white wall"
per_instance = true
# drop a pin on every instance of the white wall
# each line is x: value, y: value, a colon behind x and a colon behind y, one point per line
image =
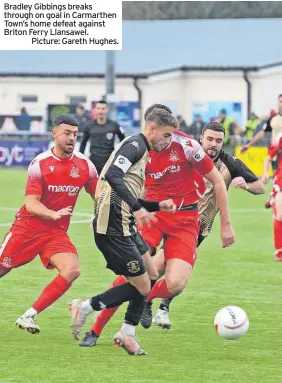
x: 56, y: 90
x: 177, y: 90
x: 266, y: 86
x: 181, y: 90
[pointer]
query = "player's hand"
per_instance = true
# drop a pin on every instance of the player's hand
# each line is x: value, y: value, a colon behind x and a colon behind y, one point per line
x: 265, y: 179
x: 61, y: 213
x: 227, y: 235
x: 244, y: 149
x: 143, y: 217
x: 240, y: 183
x: 168, y: 205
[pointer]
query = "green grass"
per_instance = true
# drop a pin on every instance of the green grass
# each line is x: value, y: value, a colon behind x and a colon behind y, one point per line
x: 244, y: 275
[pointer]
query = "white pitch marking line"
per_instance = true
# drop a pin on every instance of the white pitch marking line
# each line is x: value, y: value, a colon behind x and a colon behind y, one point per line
x: 75, y: 213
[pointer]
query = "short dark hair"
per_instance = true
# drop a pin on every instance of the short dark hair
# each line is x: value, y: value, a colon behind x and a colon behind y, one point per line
x: 156, y: 106
x: 65, y: 119
x: 215, y: 126
x: 162, y: 118
x: 102, y: 102
x: 280, y: 95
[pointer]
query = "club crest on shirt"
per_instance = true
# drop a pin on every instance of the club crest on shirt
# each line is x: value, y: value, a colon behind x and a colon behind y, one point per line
x: 74, y: 173
x: 109, y: 136
x: 133, y: 267
x: 173, y: 156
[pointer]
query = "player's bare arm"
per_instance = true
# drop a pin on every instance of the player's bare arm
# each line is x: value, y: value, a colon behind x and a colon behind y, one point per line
x: 227, y: 233
x: 255, y: 188
x: 34, y: 206
x: 258, y: 137
x: 267, y: 166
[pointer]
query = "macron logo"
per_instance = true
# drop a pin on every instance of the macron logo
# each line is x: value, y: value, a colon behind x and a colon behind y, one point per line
x: 71, y: 190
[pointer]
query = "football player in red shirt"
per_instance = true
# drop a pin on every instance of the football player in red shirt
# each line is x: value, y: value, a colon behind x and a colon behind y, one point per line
x: 54, y: 180
x: 276, y: 195
x: 176, y: 172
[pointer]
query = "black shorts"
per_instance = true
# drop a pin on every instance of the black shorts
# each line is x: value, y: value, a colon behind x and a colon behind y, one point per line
x: 123, y: 254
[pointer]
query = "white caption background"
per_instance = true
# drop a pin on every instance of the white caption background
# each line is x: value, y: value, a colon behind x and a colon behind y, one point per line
x: 60, y: 25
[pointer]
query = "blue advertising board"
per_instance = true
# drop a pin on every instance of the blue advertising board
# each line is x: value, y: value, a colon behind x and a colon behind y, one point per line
x: 20, y: 153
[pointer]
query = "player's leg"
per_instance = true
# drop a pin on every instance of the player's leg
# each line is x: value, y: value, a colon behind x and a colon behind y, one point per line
x: 123, y: 258
x: 162, y: 316
x: 103, y: 317
x: 101, y: 320
x: 278, y: 226
x: 180, y: 248
x: 5, y: 260
x: 136, y: 307
x: 147, y: 315
x: 67, y: 264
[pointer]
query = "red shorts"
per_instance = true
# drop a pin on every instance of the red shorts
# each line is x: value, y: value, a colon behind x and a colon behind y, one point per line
x: 21, y: 246
x: 180, y: 233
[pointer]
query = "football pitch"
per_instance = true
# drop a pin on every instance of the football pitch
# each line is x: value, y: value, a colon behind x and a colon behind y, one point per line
x: 245, y: 275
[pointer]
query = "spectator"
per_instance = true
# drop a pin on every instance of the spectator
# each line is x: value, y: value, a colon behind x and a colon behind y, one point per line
x: 23, y: 120
x: 195, y: 129
x: 102, y: 133
x: 182, y: 124
x: 230, y: 125
x: 251, y: 125
x: 82, y: 116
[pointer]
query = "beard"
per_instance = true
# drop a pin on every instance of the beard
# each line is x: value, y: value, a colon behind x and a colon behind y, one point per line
x: 212, y: 153
x: 67, y: 149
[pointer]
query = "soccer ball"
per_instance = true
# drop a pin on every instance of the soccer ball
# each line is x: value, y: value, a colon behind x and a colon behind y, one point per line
x: 231, y: 322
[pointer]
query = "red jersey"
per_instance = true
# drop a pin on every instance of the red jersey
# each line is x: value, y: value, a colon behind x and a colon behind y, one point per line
x: 58, y: 181
x: 274, y: 150
x: 176, y: 172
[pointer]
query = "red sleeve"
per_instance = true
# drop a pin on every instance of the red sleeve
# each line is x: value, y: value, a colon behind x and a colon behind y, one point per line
x: 275, y: 148
x: 34, y: 185
x: 196, y: 155
x: 91, y: 183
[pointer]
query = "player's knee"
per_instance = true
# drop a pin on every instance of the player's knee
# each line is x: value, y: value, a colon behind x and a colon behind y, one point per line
x: 175, y: 286
x: 143, y: 287
x: 72, y: 272
x: 154, y: 275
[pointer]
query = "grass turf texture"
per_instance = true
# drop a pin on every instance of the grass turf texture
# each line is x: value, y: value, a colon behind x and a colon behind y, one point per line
x: 245, y: 275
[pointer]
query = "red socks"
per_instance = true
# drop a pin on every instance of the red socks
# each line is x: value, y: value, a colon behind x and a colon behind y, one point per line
x: 278, y: 238
x: 105, y: 315
x: 159, y: 290
x: 51, y: 293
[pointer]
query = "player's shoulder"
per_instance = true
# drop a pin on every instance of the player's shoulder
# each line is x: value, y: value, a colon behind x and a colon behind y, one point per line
x: 138, y: 142
x: 83, y: 163
x: 184, y: 139
x: 228, y: 160
x: 185, y: 143
x: 42, y: 157
x: 82, y: 160
x: 231, y: 162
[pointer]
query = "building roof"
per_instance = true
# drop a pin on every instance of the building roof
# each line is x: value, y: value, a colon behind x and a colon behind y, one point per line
x: 154, y: 46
